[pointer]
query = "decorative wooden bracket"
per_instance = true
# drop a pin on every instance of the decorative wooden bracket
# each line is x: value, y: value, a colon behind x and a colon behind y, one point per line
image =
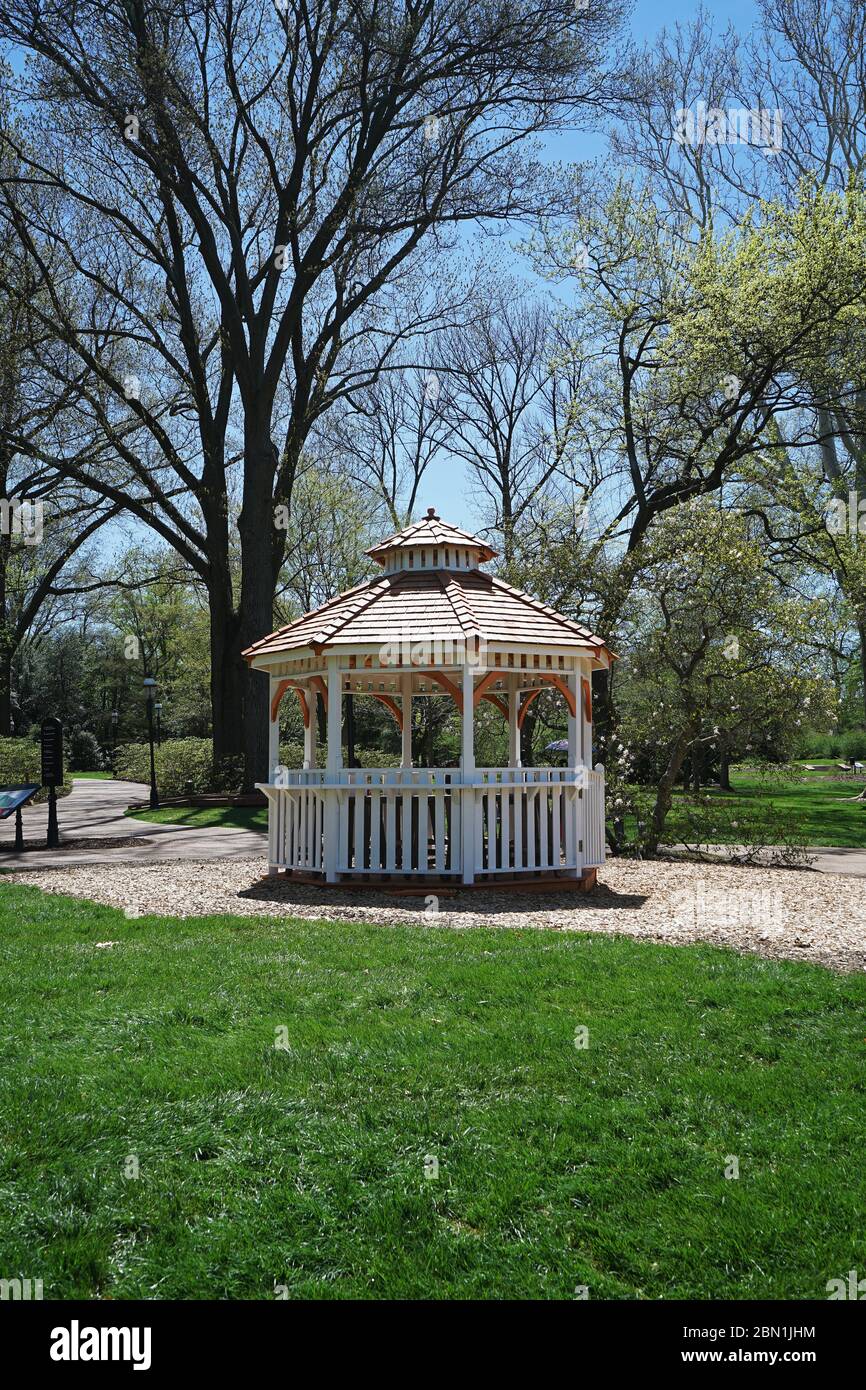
x: 305, y: 708
x: 499, y: 703
x: 564, y: 687
x: 318, y: 684
x: 484, y: 685
x: 302, y: 699
x: 524, y: 705
x: 446, y: 683
x: 587, y: 699
x: 531, y: 695
x: 389, y: 704
x: 278, y: 695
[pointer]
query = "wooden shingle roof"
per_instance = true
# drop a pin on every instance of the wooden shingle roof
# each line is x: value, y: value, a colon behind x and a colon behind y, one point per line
x: 433, y: 532
x: 437, y: 605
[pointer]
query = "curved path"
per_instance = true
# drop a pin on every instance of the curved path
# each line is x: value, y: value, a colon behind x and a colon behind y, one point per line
x: 94, y: 810
x: 827, y: 859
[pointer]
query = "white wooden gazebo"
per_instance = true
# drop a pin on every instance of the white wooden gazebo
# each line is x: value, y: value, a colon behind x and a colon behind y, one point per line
x: 433, y: 625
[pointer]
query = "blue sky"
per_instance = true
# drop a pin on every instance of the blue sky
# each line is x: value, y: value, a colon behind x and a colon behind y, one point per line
x: 446, y: 486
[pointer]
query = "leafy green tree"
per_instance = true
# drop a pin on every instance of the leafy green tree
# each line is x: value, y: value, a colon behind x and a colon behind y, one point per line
x: 717, y: 654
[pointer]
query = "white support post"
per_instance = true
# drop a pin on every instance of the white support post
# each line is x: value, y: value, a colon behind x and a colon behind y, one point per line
x: 586, y: 723
x: 273, y: 731
x: 467, y: 765
x: 575, y: 827
x: 574, y: 721
x: 333, y: 765
x: 310, y: 731
x: 513, y: 726
x: 406, y: 702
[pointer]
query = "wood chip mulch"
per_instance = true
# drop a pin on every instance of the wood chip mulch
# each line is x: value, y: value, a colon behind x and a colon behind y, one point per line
x: 777, y: 913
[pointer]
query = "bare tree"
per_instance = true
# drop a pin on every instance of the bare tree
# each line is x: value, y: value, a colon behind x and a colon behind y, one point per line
x: 227, y: 194
x: 513, y: 393
x: 44, y: 519
x: 389, y: 433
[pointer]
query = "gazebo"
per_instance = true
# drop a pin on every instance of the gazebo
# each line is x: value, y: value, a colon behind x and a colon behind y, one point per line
x: 433, y: 624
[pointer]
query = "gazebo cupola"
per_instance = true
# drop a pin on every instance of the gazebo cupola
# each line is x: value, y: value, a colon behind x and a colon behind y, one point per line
x: 431, y: 544
x: 434, y: 624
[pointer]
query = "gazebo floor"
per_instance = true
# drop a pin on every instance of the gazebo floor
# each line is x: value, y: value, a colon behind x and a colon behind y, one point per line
x: 447, y: 887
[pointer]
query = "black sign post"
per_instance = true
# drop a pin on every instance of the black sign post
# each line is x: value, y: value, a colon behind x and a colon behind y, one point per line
x: 52, y: 773
x: 12, y: 798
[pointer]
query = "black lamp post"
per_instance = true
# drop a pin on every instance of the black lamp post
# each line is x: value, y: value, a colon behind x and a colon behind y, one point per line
x: 150, y: 686
x: 158, y: 708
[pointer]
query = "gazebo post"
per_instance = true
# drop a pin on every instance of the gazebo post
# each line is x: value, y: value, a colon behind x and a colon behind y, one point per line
x: 513, y: 726
x: 585, y: 723
x: 333, y: 766
x: 576, y: 806
x: 467, y: 766
x: 310, y: 734
x: 406, y: 702
x: 574, y: 720
x: 273, y: 729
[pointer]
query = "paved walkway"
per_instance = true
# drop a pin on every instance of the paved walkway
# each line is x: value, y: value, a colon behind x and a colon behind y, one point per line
x: 839, y: 860
x: 94, y: 810
x: 828, y: 859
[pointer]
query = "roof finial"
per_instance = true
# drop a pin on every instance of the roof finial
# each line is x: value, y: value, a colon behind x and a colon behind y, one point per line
x: 431, y: 512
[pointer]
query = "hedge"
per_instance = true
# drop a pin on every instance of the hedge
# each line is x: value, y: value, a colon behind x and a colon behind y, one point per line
x: 183, y: 760
x: 178, y: 762
x: 21, y: 761
x: 849, y: 745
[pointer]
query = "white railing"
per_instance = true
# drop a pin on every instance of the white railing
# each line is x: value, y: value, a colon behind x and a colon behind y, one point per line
x: 592, y: 825
x: 525, y: 826
x: 410, y: 820
x: 399, y: 820
x: 296, y: 828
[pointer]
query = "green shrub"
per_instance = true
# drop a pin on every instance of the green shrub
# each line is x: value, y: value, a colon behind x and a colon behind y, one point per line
x: 292, y: 756
x: 853, y: 745
x: 848, y: 745
x: 818, y: 746
x: 178, y: 762
x: 21, y: 761
x: 759, y: 832
x: 183, y: 760
x: 85, y: 754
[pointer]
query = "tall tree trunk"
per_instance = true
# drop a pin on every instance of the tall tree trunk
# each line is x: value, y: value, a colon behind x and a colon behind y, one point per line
x: 665, y: 793
x: 697, y: 769
x: 861, y: 629
x: 5, y: 634
x: 226, y: 689
x: 527, y: 733
x: 350, y: 731
x: 5, y: 650
x: 725, y: 768
x: 5, y: 686
x: 258, y: 583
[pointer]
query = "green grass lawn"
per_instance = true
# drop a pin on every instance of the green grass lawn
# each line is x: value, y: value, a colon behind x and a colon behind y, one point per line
x: 94, y: 776
x: 558, y: 1166
x: 200, y: 817
x: 821, y: 810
